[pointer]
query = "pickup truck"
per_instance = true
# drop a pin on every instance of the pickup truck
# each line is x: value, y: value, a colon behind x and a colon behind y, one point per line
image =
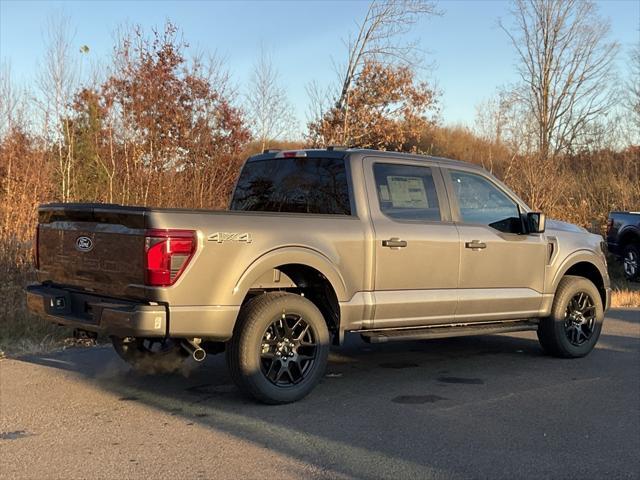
x: 318, y: 244
x: 623, y: 241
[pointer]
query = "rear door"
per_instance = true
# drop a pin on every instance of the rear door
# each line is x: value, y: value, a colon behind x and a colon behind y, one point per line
x: 416, y: 243
x: 501, y: 268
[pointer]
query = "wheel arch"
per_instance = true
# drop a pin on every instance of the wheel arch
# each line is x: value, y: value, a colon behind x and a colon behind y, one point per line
x: 583, y: 264
x: 313, y: 274
x: 627, y: 236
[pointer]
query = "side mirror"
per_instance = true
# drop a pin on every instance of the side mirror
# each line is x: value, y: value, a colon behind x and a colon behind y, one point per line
x: 536, y: 222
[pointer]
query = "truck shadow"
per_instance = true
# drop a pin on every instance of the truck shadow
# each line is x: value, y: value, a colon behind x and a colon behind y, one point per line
x: 381, y: 411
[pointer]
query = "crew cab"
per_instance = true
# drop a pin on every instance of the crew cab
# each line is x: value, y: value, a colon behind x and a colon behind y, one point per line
x: 318, y: 244
x: 623, y: 241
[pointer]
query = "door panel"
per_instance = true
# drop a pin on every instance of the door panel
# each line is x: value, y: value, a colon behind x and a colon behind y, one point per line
x: 503, y: 280
x: 417, y: 253
x: 406, y: 308
x: 501, y: 268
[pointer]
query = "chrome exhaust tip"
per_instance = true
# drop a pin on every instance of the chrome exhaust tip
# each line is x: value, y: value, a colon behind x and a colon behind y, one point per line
x: 197, y: 352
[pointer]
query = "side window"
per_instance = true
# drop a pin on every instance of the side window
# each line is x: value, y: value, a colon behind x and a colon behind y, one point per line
x: 481, y: 202
x: 407, y: 192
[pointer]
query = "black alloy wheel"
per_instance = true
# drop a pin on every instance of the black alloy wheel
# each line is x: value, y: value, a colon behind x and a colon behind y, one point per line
x: 580, y: 318
x: 575, y: 322
x: 631, y: 262
x: 279, y: 349
x: 288, y: 351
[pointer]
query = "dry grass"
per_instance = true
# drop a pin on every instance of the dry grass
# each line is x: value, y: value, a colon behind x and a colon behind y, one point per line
x: 20, y: 331
x: 625, y: 293
x: 625, y: 298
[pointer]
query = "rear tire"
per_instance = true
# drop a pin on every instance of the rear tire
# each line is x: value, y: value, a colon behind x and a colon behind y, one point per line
x: 575, y: 323
x: 279, y: 349
x: 631, y: 262
x: 151, y: 355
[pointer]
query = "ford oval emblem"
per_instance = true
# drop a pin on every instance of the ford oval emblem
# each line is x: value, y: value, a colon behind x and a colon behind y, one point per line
x: 84, y: 244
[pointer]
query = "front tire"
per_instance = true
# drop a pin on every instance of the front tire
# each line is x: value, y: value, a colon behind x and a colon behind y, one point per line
x: 279, y: 349
x: 575, y: 323
x: 631, y: 262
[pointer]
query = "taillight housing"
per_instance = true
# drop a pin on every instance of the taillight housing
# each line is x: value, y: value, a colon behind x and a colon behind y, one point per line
x: 167, y: 254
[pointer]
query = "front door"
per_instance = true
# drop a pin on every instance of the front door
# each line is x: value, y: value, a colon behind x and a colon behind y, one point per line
x: 417, y: 245
x: 501, y: 268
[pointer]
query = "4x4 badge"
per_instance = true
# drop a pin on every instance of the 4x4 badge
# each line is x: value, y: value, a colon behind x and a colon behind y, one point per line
x: 221, y: 237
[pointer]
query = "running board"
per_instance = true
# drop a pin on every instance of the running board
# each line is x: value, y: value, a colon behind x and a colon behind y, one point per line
x: 444, y: 331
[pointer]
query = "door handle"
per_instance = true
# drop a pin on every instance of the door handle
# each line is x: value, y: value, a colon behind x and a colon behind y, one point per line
x: 475, y: 245
x: 394, y: 243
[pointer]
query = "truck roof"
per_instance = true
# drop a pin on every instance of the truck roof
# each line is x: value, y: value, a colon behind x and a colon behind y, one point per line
x: 341, y: 152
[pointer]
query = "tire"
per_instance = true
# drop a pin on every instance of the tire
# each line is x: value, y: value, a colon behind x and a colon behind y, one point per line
x: 631, y: 262
x: 151, y: 355
x: 280, y: 348
x: 575, y: 323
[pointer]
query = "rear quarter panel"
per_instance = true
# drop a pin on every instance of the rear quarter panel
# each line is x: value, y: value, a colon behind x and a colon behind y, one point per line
x: 235, y: 248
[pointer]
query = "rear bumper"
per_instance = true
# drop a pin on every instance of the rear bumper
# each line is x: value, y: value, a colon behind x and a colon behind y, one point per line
x: 129, y: 319
x: 96, y: 314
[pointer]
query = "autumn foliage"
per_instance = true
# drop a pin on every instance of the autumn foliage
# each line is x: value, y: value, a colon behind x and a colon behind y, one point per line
x: 386, y: 109
x: 158, y: 126
x: 158, y: 130
x: 163, y: 127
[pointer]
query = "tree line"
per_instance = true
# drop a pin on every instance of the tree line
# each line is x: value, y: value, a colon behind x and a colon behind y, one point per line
x: 160, y: 125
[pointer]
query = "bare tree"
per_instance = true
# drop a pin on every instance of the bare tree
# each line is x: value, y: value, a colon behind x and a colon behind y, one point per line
x: 320, y: 102
x: 493, y: 116
x: 269, y: 111
x: 379, y: 39
x: 57, y: 83
x: 503, y: 119
x: 9, y: 100
x: 566, y: 65
x: 634, y: 86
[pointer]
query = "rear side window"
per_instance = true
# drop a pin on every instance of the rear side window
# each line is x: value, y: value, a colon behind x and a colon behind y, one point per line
x: 407, y: 192
x: 294, y: 185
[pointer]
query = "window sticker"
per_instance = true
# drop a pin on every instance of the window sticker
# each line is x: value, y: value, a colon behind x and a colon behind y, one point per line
x: 407, y: 192
x: 384, y: 193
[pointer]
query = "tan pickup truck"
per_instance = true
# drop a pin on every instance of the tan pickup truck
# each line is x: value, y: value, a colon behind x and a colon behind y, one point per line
x: 317, y: 244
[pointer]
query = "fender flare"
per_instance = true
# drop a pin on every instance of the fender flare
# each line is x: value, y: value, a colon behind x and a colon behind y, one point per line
x: 577, y: 257
x: 291, y: 255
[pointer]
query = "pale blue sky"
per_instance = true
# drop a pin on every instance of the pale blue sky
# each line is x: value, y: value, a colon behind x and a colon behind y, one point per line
x: 471, y: 54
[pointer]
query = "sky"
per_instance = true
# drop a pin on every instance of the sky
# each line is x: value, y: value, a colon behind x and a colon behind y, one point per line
x: 470, y: 56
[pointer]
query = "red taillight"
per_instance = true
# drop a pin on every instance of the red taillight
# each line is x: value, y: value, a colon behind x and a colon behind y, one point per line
x: 36, y: 248
x: 167, y: 254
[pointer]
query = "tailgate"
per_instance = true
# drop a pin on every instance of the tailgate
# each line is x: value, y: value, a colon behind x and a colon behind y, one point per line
x: 99, y: 248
